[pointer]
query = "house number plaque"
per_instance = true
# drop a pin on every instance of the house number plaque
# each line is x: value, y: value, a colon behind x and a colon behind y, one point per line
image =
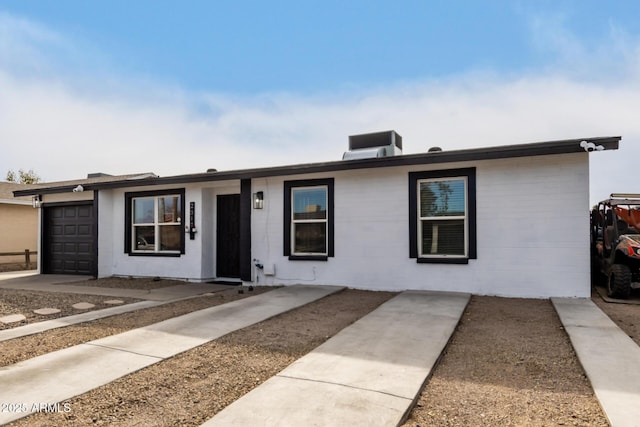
x: 192, y: 220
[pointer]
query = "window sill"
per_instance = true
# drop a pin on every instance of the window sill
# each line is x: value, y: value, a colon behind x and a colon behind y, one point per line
x: 156, y: 254
x: 443, y: 260
x: 308, y: 258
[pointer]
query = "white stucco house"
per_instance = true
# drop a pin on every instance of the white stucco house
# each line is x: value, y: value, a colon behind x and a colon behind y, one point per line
x: 507, y: 220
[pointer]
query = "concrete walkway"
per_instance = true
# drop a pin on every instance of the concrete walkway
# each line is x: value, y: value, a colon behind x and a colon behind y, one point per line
x: 60, y: 375
x: 369, y: 374
x: 51, y: 283
x: 609, y: 357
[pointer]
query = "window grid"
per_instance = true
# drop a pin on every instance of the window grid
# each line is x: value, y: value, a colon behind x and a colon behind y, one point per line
x: 156, y: 224
x: 300, y: 221
x: 431, y: 219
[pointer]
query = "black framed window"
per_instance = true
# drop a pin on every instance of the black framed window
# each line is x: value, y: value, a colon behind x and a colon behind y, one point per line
x: 308, y: 219
x: 442, y: 216
x: 154, y: 223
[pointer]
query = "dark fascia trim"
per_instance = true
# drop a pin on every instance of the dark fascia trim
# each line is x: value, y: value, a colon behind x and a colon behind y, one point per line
x: 127, y: 221
x: 288, y: 185
x: 69, y: 203
x: 474, y: 154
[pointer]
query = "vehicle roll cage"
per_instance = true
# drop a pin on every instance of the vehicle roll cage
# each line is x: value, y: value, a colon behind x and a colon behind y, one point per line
x: 622, y: 199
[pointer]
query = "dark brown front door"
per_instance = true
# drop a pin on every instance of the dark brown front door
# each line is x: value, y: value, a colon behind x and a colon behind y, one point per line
x: 228, y: 236
x: 69, y: 239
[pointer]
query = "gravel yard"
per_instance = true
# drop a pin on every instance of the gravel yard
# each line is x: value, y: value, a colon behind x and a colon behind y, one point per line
x: 130, y: 282
x: 24, y: 302
x: 508, y: 363
x: 16, y: 266
x: 19, y: 349
x: 626, y: 316
x: 193, y: 386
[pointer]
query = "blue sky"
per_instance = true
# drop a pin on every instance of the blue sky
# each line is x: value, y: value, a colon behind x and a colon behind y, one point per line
x: 179, y: 87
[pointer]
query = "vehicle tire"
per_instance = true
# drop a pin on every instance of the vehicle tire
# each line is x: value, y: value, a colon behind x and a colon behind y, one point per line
x: 619, y: 284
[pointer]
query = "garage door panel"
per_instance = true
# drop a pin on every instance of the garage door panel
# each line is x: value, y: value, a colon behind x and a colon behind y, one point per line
x: 69, y: 239
x: 71, y: 212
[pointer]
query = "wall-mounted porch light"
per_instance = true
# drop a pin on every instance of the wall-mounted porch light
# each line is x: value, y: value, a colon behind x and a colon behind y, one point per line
x: 258, y: 200
x: 36, y: 201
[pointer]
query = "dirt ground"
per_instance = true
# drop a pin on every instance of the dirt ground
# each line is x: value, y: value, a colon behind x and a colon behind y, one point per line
x: 626, y: 316
x: 193, y: 386
x: 508, y: 363
x: 16, y: 266
x: 130, y: 282
x: 24, y: 302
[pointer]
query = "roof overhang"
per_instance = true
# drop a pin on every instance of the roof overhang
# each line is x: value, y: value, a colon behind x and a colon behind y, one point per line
x: 15, y: 202
x: 466, y: 155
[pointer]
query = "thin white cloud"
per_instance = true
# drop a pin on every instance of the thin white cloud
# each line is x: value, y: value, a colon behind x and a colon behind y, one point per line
x: 64, y: 130
x: 20, y: 42
x: 614, y: 55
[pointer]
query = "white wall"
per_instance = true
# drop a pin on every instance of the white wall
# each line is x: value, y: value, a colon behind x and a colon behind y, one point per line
x: 532, y: 240
x: 198, y: 261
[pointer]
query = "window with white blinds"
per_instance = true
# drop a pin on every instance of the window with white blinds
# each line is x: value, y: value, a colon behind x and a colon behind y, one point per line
x: 442, y: 222
x: 442, y: 216
x: 308, y: 219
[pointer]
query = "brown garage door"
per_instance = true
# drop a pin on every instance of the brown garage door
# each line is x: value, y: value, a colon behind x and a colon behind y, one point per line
x: 69, y: 239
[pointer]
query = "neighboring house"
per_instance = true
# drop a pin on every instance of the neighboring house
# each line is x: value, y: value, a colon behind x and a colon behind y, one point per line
x: 508, y: 220
x: 18, y: 224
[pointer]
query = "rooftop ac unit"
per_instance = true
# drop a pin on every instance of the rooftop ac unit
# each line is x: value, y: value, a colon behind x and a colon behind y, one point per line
x: 373, y: 145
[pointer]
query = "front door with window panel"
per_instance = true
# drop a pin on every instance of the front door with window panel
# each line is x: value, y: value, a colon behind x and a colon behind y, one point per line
x: 228, y: 236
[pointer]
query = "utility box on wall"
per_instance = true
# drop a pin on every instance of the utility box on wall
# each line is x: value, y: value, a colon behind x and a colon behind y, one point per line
x: 269, y: 270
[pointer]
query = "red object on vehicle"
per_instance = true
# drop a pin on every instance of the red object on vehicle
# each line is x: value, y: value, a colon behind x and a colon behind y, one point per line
x: 630, y: 216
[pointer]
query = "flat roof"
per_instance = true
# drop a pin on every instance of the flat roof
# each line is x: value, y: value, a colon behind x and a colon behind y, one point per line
x: 6, y: 193
x: 488, y: 153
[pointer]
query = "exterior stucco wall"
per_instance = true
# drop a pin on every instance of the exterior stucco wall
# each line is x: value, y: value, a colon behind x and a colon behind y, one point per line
x: 532, y: 240
x: 80, y: 196
x: 532, y: 232
x: 198, y: 261
x: 18, y: 231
